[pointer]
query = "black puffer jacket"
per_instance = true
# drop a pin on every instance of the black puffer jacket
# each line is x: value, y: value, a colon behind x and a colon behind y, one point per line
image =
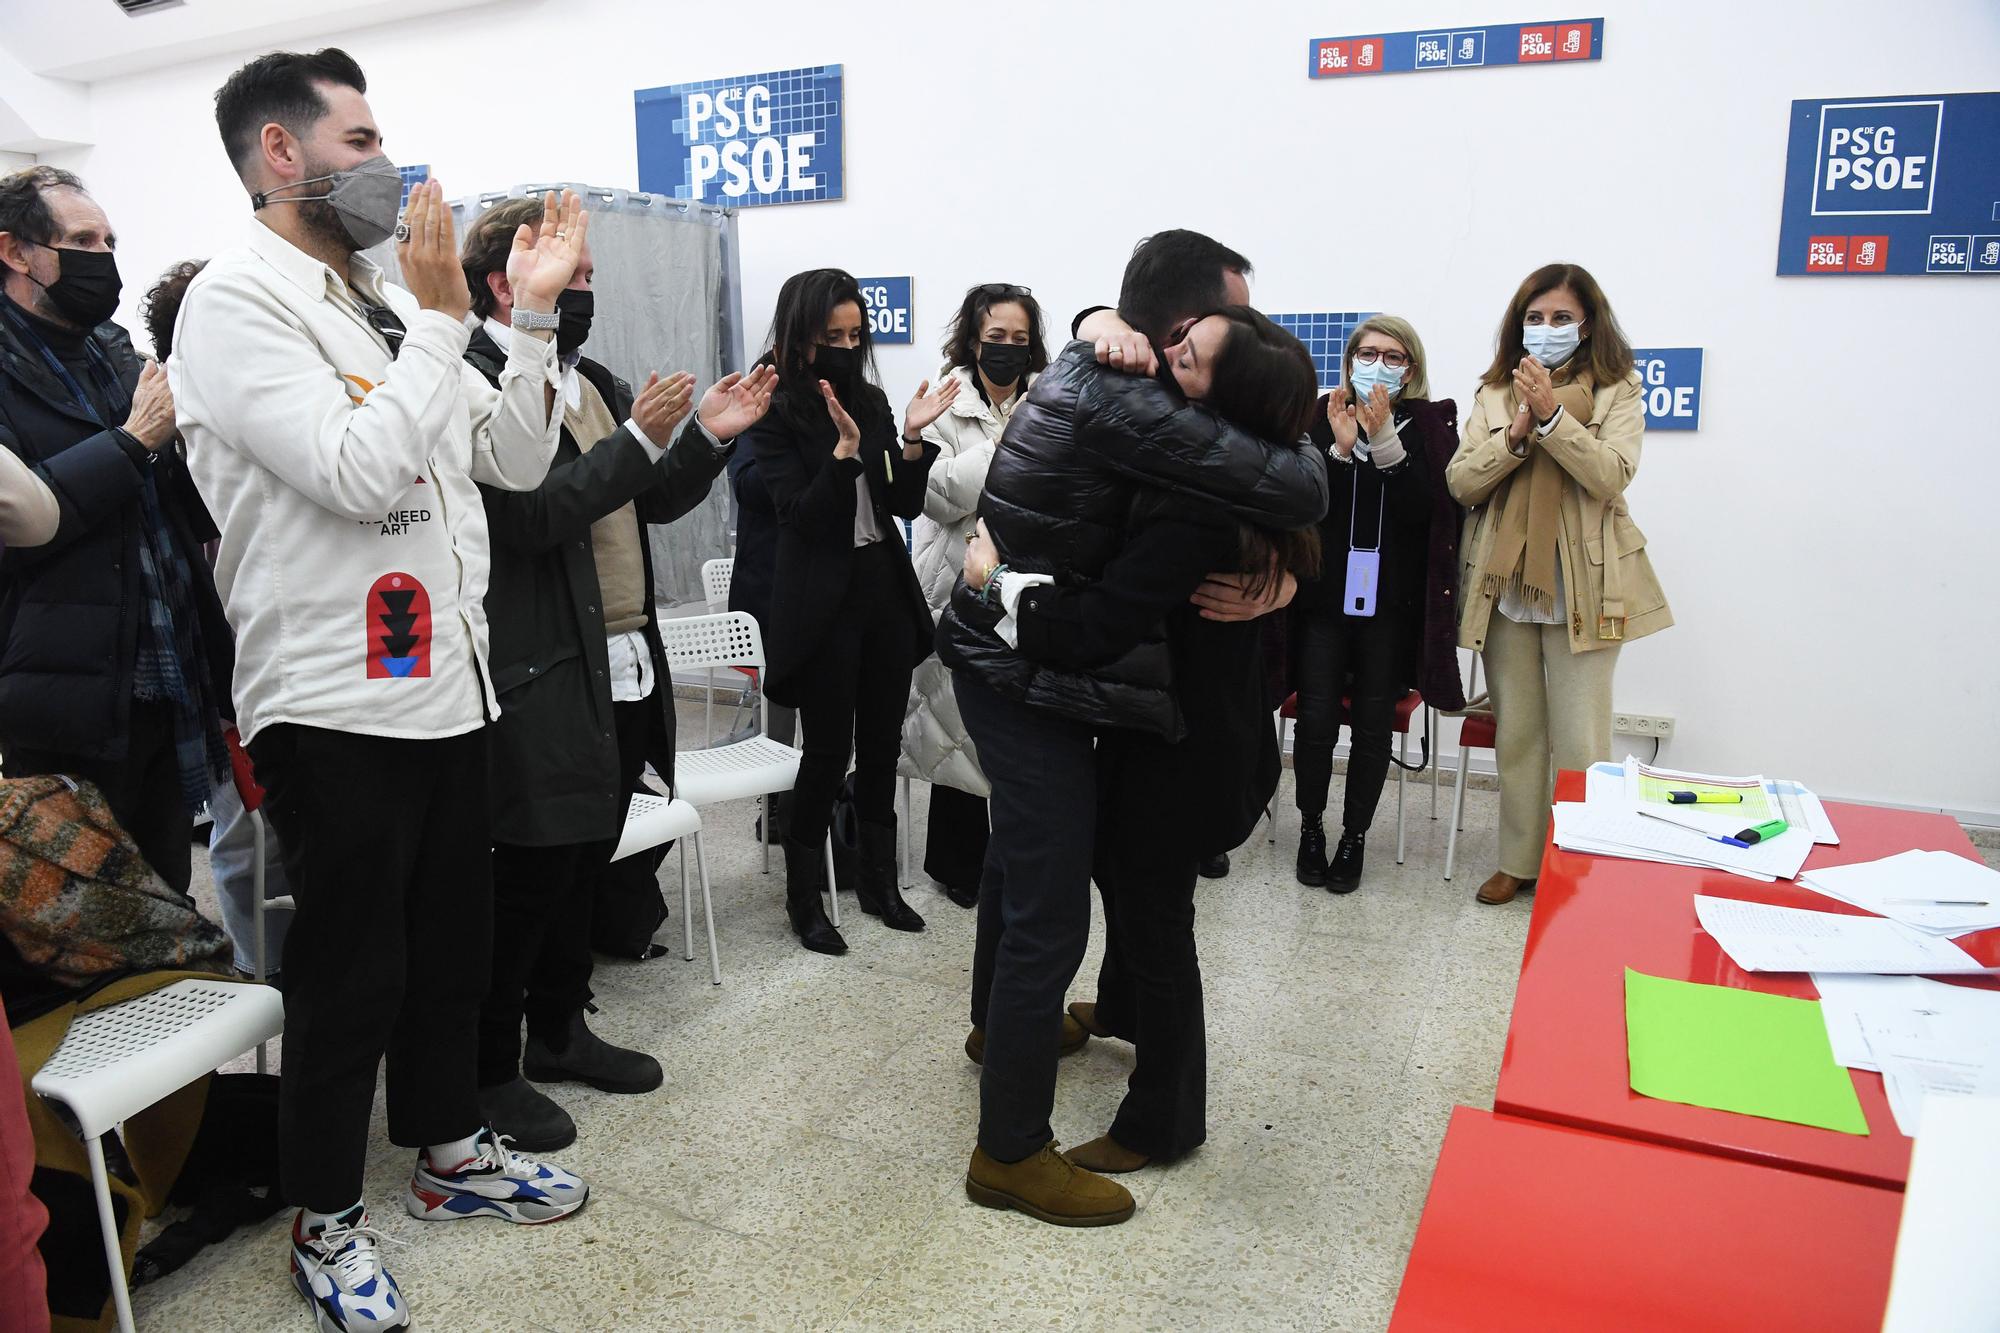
x: 1085, y: 448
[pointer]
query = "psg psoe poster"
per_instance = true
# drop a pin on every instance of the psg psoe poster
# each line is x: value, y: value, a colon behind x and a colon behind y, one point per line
x: 1893, y: 185
x: 745, y: 141
x: 1550, y: 43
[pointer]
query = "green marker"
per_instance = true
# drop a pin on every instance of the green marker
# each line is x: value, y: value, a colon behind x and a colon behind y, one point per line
x: 1757, y: 834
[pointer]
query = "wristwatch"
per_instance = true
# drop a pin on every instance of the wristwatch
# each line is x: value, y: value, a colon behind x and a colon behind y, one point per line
x: 535, y: 321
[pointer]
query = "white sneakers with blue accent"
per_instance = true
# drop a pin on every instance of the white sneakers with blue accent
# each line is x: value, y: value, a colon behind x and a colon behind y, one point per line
x: 496, y: 1182
x: 339, y: 1272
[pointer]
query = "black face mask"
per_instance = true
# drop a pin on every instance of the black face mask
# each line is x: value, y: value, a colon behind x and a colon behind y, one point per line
x: 87, y: 285
x: 574, y: 306
x: 1004, y: 363
x: 838, y: 366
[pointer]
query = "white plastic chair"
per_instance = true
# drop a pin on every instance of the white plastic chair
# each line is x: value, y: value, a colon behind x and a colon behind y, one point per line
x: 117, y: 1061
x: 716, y: 576
x: 652, y: 820
x: 759, y: 766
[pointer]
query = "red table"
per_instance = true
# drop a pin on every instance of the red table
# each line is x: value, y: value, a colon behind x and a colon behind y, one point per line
x: 1539, y: 1228
x: 1595, y: 916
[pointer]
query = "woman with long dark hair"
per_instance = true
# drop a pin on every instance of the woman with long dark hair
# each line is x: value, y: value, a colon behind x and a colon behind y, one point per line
x: 848, y: 622
x: 994, y: 350
x: 1554, y: 571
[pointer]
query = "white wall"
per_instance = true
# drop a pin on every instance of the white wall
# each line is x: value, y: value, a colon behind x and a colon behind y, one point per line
x: 1826, y: 538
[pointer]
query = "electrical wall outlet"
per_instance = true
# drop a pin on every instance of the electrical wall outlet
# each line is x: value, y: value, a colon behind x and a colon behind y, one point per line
x: 1642, y: 724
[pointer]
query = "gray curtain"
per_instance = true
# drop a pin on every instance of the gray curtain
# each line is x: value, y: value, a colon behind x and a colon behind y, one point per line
x: 668, y: 299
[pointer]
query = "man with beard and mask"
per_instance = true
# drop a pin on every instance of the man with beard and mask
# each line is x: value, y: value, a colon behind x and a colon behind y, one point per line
x: 581, y: 673
x: 117, y: 655
x: 340, y: 440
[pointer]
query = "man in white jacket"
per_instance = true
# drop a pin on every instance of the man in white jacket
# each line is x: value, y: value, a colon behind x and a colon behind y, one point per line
x: 337, y: 436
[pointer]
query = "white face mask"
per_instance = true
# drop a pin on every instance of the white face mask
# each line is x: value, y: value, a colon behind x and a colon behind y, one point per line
x: 1551, y: 344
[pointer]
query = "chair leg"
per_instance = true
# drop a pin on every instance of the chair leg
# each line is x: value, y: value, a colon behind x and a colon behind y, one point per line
x: 707, y: 707
x: 257, y: 912
x: 832, y: 887
x: 1430, y: 730
x: 707, y: 909
x: 1457, y: 811
x: 687, y: 909
x: 114, y: 1257
x: 1402, y: 782
x: 764, y: 827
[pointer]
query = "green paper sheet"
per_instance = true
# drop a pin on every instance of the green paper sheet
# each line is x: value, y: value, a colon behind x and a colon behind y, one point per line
x: 1736, y: 1050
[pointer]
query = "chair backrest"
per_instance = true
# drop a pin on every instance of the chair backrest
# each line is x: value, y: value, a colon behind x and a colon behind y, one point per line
x: 240, y: 771
x: 731, y: 638
x: 715, y: 576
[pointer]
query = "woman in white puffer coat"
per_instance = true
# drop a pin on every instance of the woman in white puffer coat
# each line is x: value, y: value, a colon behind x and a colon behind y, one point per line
x: 995, y: 350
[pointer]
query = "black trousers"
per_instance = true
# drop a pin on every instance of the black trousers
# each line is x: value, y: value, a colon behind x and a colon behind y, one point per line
x: 389, y: 851
x: 851, y: 699
x: 956, y: 837
x: 543, y: 905
x: 143, y: 789
x: 1337, y: 646
x: 1149, y: 985
x: 1034, y: 908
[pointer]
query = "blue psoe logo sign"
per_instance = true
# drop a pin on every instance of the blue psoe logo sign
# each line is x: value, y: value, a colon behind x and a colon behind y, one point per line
x: 1325, y: 336
x: 891, y: 318
x: 746, y: 141
x: 1893, y: 185
x: 1456, y: 48
x: 415, y: 174
x: 1670, y: 378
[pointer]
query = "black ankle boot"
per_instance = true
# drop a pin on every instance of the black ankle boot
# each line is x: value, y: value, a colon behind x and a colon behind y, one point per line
x: 805, y: 881
x: 876, y: 886
x: 1312, y: 852
x: 1343, y: 874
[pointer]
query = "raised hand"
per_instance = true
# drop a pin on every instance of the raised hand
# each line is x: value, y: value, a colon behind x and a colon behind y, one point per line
x: 735, y: 403
x: 848, y: 441
x: 544, y: 259
x: 1533, y: 386
x: 662, y: 405
x: 926, y: 406
x: 427, y: 252
x: 1376, y: 411
x: 1227, y: 596
x: 151, y: 420
x: 1341, y: 416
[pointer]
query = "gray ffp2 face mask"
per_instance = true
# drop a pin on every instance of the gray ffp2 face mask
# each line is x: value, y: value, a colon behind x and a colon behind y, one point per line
x: 367, y: 198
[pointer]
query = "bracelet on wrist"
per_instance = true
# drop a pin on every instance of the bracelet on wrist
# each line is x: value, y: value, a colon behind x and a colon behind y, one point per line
x: 989, y: 591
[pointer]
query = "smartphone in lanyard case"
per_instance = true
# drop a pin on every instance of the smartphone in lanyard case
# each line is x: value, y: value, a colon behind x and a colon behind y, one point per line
x: 1364, y: 564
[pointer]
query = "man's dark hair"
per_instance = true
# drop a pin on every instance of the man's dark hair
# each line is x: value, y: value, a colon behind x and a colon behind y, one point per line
x: 23, y: 210
x: 488, y: 242
x: 1172, y: 275
x: 162, y: 305
x: 281, y: 87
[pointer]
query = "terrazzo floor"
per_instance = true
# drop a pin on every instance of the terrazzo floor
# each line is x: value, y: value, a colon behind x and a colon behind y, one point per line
x: 803, y: 1166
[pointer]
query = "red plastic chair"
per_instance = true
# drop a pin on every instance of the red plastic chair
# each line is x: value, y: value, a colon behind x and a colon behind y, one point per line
x: 251, y: 794
x: 1406, y: 710
x: 1476, y: 732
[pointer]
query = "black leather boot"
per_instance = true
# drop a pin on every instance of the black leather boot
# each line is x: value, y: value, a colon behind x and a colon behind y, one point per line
x: 805, y: 882
x: 588, y: 1058
x: 1343, y: 875
x: 1312, y: 852
x: 877, y: 889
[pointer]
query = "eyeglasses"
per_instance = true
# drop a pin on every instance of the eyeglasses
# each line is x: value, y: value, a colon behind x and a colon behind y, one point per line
x: 387, y: 323
x: 1368, y: 356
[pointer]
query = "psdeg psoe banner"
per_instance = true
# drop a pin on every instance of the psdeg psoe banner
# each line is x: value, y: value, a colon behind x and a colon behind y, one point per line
x: 891, y: 317
x: 1670, y: 379
x: 1893, y: 185
x: 1456, y: 48
x: 745, y: 141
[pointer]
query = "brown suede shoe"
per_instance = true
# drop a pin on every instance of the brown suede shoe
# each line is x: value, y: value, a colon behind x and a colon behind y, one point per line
x: 1073, y: 1039
x: 1048, y: 1187
x: 1085, y: 1014
x: 1106, y: 1156
x: 1502, y: 887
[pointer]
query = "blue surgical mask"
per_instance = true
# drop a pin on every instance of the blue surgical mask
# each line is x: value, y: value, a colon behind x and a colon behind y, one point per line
x: 1366, y: 377
x: 1551, y: 344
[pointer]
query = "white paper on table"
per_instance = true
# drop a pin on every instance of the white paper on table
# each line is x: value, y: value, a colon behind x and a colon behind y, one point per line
x: 1945, y: 1280
x: 1567, y: 817
x: 1797, y: 794
x: 1879, y: 886
x: 1865, y: 1012
x: 1761, y: 938
x: 1916, y: 1074
x: 1774, y: 858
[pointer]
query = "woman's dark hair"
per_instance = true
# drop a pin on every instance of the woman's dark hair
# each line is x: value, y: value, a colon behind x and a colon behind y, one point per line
x: 1603, y: 352
x: 1264, y: 381
x: 805, y: 303
x: 961, y: 344
x: 162, y: 305
x: 283, y: 87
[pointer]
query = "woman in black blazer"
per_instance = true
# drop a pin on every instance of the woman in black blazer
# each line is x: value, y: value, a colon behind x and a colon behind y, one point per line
x: 848, y: 622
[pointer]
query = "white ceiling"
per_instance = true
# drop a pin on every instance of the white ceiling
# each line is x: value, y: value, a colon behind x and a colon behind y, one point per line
x: 87, y: 40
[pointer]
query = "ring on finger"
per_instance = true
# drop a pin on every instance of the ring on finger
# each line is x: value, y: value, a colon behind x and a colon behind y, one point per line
x: 402, y: 231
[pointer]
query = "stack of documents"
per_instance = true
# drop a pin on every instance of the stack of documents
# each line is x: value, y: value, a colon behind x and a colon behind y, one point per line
x: 1761, y: 938
x: 1935, y: 892
x: 1945, y: 1280
x: 1627, y: 813
x: 1927, y: 1038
